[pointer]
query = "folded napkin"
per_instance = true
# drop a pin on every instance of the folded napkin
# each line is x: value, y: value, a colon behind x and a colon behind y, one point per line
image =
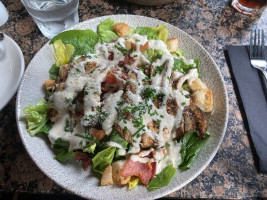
x: 253, y: 92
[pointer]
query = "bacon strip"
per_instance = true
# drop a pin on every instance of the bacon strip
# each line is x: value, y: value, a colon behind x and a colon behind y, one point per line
x: 145, y: 171
x: 83, y: 158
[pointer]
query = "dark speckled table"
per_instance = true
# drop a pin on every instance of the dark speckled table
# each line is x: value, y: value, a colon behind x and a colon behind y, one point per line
x: 232, y: 174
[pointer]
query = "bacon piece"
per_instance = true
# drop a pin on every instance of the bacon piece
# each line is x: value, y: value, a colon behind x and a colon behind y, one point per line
x: 83, y: 158
x: 111, y: 56
x: 145, y: 171
x: 127, y: 60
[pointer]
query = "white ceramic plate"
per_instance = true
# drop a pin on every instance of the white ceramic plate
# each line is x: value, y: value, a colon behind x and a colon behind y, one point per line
x: 86, y: 184
x: 11, y: 70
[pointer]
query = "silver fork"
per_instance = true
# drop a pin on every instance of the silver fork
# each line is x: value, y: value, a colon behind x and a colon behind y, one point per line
x: 257, y: 56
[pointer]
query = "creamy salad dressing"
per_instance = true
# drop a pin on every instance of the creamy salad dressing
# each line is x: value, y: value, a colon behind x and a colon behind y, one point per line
x: 78, y: 81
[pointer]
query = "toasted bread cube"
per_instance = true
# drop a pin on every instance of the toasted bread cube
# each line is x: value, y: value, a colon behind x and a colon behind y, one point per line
x: 172, y: 44
x: 116, y: 169
x: 196, y: 84
x: 98, y: 134
x: 203, y: 99
x: 121, y: 29
x: 49, y: 84
x: 128, y: 45
x: 142, y: 47
x: 106, y: 178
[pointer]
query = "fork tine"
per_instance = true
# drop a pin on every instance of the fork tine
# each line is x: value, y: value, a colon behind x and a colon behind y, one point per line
x: 251, y: 45
x: 262, y: 43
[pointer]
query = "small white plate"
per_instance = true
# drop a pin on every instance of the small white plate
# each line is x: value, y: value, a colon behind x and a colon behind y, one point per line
x: 11, y: 70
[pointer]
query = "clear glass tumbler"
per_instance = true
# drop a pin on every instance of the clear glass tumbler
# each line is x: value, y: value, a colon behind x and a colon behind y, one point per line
x: 53, y: 16
x: 249, y: 7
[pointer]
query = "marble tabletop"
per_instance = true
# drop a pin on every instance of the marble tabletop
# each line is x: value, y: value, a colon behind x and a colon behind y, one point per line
x: 232, y: 174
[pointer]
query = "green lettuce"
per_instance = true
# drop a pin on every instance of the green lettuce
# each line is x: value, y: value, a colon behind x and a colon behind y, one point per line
x: 36, y: 117
x: 115, y: 137
x: 191, y: 146
x: 54, y: 72
x: 163, y: 178
x: 180, y: 66
x: 83, y: 41
x: 62, y: 149
x: 153, y: 54
x: 158, y: 33
x: 106, y: 32
x: 103, y: 159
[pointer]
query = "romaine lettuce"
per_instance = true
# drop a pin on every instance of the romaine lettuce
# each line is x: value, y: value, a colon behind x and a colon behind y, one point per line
x: 158, y: 33
x: 180, y: 65
x: 83, y: 41
x: 153, y: 54
x: 191, y: 146
x: 103, y: 159
x: 106, y: 32
x: 36, y: 117
x: 163, y: 178
x: 62, y: 149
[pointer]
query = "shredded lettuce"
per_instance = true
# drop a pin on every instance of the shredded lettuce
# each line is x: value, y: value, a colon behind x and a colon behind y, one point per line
x: 103, y: 159
x: 163, y: 178
x: 106, y: 32
x: 83, y: 41
x: 191, y: 146
x: 36, y: 117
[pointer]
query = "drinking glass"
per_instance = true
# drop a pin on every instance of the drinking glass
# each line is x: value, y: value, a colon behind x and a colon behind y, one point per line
x: 249, y: 7
x: 53, y: 16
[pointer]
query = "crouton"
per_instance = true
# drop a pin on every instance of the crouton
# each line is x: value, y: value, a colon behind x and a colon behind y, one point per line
x: 172, y: 44
x: 89, y: 67
x: 98, y: 134
x: 146, y: 141
x: 141, y: 48
x: 196, y: 84
x: 49, y: 84
x: 121, y: 29
x: 203, y: 99
x: 116, y: 169
x: 106, y: 178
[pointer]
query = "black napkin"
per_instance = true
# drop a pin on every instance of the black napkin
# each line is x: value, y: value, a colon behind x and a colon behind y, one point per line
x: 253, y: 92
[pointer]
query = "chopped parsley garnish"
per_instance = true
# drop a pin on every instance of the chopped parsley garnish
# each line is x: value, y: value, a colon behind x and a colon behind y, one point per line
x: 140, y: 129
x: 183, y: 103
x: 69, y: 101
x: 149, y: 93
x: 159, y: 70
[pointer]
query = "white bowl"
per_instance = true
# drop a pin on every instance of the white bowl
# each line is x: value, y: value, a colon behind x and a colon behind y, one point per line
x: 87, y: 184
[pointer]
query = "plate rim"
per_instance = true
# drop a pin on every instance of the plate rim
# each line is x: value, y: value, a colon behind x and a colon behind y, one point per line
x: 164, y: 193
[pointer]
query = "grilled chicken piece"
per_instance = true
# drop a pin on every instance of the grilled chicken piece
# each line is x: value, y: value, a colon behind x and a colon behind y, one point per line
x: 172, y: 107
x: 201, y: 122
x: 131, y: 87
x: 63, y: 73
x: 154, y: 126
x: 53, y: 115
x: 146, y: 141
x: 189, y: 120
x: 125, y: 134
x: 89, y: 67
x: 193, y: 119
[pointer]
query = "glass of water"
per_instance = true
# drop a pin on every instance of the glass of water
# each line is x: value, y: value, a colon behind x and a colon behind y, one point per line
x: 53, y: 16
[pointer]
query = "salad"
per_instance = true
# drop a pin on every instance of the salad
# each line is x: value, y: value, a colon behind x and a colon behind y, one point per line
x: 126, y: 101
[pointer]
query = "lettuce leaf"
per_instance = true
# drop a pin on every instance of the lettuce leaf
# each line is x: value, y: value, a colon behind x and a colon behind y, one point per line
x: 163, y: 178
x: 115, y: 137
x: 153, y: 54
x: 106, y: 32
x: 54, y: 72
x: 180, y: 66
x: 191, y: 146
x: 83, y: 41
x: 36, y: 117
x: 158, y: 33
x: 62, y: 149
x: 103, y: 159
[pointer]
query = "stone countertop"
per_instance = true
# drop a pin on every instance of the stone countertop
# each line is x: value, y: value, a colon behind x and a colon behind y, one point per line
x: 232, y: 173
